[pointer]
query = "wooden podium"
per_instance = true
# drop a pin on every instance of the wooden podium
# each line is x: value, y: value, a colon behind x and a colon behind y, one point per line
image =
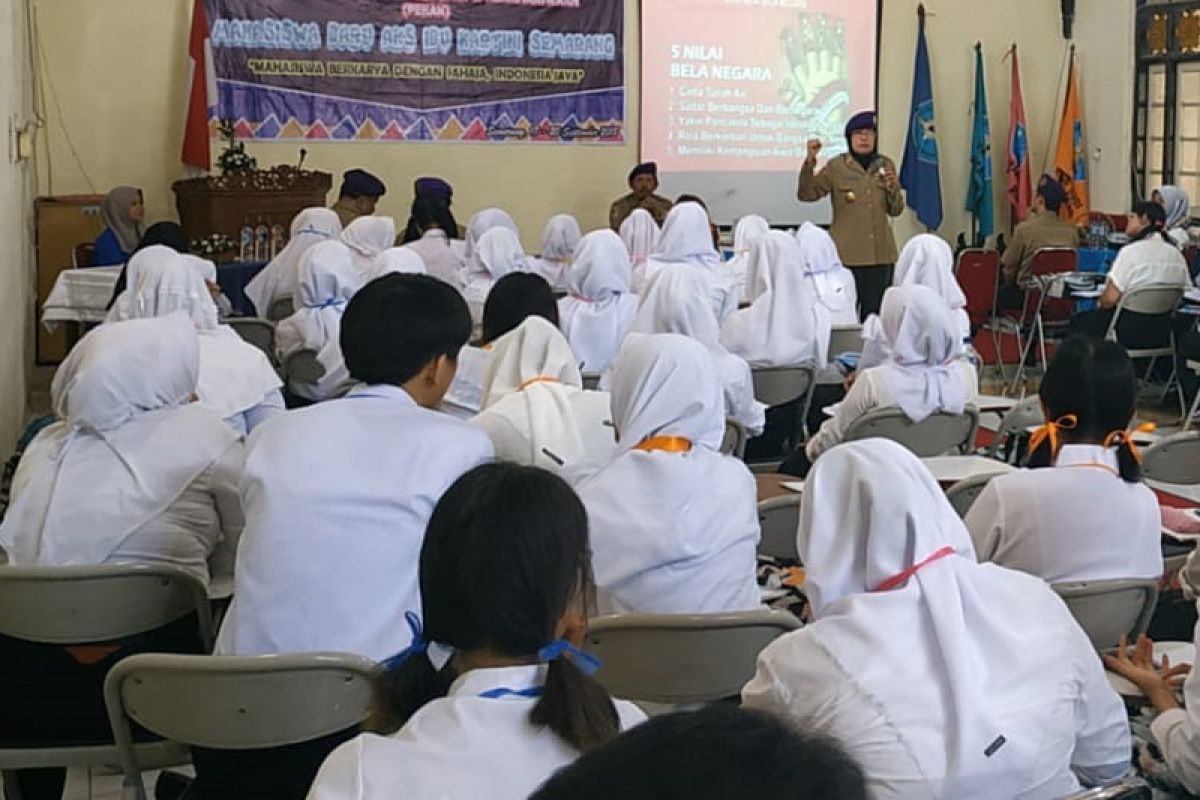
x: 226, y: 203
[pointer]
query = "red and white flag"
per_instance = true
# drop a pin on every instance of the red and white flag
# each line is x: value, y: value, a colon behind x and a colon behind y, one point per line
x: 1020, y: 186
x: 202, y: 94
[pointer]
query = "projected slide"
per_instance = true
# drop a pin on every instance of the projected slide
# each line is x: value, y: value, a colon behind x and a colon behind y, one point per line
x: 737, y: 87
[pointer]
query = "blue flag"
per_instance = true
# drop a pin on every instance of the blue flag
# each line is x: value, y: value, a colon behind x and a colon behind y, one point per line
x: 979, y: 189
x: 919, y: 174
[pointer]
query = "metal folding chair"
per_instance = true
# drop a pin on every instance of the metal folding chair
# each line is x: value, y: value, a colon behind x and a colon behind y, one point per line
x: 1038, y: 309
x: 1108, y: 610
x: 734, y: 441
x: 777, y: 386
x: 258, y: 332
x: 1153, y: 300
x: 1174, y: 459
x: 963, y: 494
x: 281, y: 309
x: 937, y: 434
x: 779, y: 520
x: 302, y: 367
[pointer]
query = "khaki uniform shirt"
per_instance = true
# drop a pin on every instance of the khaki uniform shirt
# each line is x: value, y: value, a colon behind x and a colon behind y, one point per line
x: 861, y: 207
x: 346, y: 211
x: 1039, y: 231
x: 658, y: 207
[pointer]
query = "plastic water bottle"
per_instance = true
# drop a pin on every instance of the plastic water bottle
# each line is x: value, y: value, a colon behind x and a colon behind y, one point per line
x: 246, y: 253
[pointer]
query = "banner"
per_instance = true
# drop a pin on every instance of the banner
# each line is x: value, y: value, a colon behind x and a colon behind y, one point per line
x: 455, y: 70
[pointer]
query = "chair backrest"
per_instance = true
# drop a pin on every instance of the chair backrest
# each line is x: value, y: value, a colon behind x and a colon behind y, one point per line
x: 1124, y: 789
x: 1156, y: 299
x: 1108, y: 610
x: 937, y: 434
x: 1174, y: 459
x: 962, y: 494
x: 1051, y: 261
x: 282, y: 308
x: 1015, y: 421
x: 845, y: 339
x: 83, y: 255
x: 82, y: 605
x: 733, y: 443
x: 302, y: 366
x: 258, y: 332
x: 775, y: 386
x: 683, y: 658
x: 779, y: 518
x: 591, y: 380
x: 978, y: 275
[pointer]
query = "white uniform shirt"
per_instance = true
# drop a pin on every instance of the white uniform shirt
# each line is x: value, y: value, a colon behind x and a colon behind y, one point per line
x: 442, y: 257
x: 465, y: 398
x: 477, y: 742
x: 1076, y: 521
x: 1149, y: 261
x: 337, y: 497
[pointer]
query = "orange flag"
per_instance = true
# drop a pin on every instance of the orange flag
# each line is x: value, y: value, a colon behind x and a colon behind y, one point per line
x: 1070, y: 157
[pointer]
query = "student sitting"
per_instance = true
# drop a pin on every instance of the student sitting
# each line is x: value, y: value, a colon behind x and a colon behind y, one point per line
x: 640, y: 234
x: 327, y: 282
x: 559, y: 240
x: 926, y: 260
x: 492, y: 694
x: 497, y: 253
x: 1178, y: 210
x: 155, y: 255
x: 784, y: 326
x: 1150, y: 259
x: 829, y: 280
x: 748, y: 232
x: 535, y: 409
x: 513, y: 299
x: 686, y: 239
x: 438, y: 245
x: 337, y: 494
x: 921, y: 374
x: 367, y: 237
x: 1086, y: 516
x: 942, y: 677
x: 279, y: 279
x: 122, y: 211
x: 483, y: 222
x: 716, y: 753
x: 395, y: 259
x: 674, y: 524
x: 168, y: 234
x: 599, y: 310
x: 236, y: 379
x: 677, y: 301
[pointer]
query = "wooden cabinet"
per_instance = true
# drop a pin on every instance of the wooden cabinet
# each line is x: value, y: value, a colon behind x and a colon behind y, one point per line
x: 62, y: 223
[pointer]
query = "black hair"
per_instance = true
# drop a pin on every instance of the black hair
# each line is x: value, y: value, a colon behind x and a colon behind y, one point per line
x: 719, y: 751
x: 168, y: 234
x: 691, y: 198
x: 514, y: 298
x: 1158, y: 221
x: 397, y: 324
x: 1095, y: 381
x: 1052, y: 199
x: 505, y: 556
x: 430, y: 211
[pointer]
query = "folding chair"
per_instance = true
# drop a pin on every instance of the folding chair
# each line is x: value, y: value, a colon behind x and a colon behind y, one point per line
x: 258, y: 332
x: 733, y: 443
x: 234, y: 703
x: 301, y: 367
x: 591, y: 381
x: 1194, y: 366
x: 1037, y: 311
x: 962, y: 495
x: 90, y: 605
x: 1174, y: 459
x: 1014, y: 424
x: 683, y: 658
x: 281, y: 309
x: 937, y: 434
x: 1154, y: 300
x: 779, y: 519
x: 1108, y: 610
x: 978, y: 275
x: 845, y: 339
x: 1124, y: 789
x: 777, y: 386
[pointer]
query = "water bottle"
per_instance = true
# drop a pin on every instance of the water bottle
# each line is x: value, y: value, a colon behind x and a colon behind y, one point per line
x: 246, y: 253
x: 262, y: 241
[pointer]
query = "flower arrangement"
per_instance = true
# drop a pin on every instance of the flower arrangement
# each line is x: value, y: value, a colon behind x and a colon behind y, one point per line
x: 234, y: 160
x: 214, y: 246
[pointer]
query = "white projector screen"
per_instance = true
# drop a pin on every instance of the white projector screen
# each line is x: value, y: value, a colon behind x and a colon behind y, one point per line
x: 733, y: 89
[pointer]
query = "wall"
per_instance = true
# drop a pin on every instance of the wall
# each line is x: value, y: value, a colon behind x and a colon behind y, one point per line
x: 118, y: 68
x: 16, y: 232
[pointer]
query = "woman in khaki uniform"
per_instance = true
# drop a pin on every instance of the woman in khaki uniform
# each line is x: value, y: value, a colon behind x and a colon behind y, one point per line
x: 865, y: 193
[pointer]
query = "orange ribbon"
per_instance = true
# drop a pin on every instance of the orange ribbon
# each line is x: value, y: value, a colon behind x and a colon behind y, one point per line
x: 666, y: 444
x: 1067, y: 422
x: 1125, y: 437
x: 538, y: 379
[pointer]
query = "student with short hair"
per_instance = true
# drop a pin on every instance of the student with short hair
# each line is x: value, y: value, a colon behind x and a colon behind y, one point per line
x: 337, y: 494
x: 674, y: 522
x: 492, y: 695
x: 716, y: 753
x: 1082, y: 513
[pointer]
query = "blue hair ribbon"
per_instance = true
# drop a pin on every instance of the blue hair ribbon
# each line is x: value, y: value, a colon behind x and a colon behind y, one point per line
x: 417, y: 646
x: 586, y: 662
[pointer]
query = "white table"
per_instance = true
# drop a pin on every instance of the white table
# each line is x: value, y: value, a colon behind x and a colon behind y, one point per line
x: 80, y: 295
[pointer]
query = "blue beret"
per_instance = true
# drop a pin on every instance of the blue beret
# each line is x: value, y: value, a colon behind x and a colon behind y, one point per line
x: 433, y: 187
x: 649, y: 168
x: 863, y: 121
x: 360, y: 183
x: 1051, y: 191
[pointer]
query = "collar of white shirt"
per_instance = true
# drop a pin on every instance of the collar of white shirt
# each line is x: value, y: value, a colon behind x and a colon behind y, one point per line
x: 1077, y: 455
x: 434, y: 233
x: 380, y: 391
x: 501, y: 683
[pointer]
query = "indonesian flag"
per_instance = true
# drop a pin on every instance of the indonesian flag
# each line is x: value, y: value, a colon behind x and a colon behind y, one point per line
x: 202, y: 95
x: 1020, y: 186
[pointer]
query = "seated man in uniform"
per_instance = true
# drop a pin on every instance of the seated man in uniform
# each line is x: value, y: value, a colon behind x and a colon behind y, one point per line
x: 643, y: 180
x: 358, y: 196
x: 1044, y: 228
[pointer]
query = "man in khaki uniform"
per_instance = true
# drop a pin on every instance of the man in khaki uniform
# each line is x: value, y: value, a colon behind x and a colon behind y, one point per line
x: 1044, y: 228
x: 358, y: 196
x: 865, y: 193
x: 643, y: 180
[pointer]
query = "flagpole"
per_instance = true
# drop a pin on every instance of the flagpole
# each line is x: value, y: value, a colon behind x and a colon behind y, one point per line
x: 974, y: 212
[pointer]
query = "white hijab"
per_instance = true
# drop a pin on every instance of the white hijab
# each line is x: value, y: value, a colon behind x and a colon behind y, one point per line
x: 832, y: 283
x: 870, y: 512
x: 234, y: 375
x: 922, y: 342
x: 328, y: 281
x: 1177, y: 204
x: 559, y: 239
x: 599, y: 310
x: 497, y: 253
x: 927, y: 260
x: 278, y: 279
x: 640, y: 234
x: 531, y: 378
x: 367, y: 238
x: 395, y: 259
x: 785, y: 326
x: 155, y: 256
x: 127, y: 446
x: 483, y: 222
x: 677, y: 301
x: 686, y: 238
x: 749, y: 231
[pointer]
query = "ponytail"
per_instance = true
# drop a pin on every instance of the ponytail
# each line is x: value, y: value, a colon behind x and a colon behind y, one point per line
x: 1157, y: 215
x: 1129, y: 460
x: 575, y: 707
x: 1046, y: 441
x: 402, y: 691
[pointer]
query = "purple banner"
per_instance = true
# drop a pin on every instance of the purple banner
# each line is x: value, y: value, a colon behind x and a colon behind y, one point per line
x: 456, y: 70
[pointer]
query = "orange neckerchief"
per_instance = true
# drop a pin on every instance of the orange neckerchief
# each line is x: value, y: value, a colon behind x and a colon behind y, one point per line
x: 1118, y: 438
x: 538, y: 379
x: 666, y: 444
x: 1051, y: 430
